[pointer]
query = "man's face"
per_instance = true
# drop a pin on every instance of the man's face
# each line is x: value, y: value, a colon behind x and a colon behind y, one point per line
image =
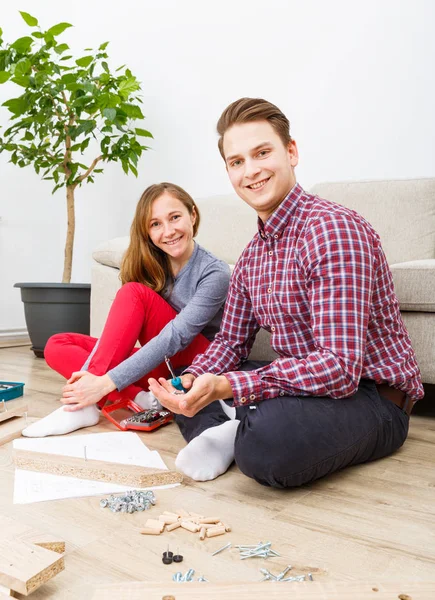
x: 260, y: 167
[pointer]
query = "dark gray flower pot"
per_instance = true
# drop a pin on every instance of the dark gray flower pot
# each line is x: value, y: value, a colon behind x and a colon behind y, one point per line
x: 52, y: 308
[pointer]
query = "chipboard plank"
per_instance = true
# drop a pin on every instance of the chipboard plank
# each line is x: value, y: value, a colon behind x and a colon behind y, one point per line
x: 70, y: 466
x: 24, y: 567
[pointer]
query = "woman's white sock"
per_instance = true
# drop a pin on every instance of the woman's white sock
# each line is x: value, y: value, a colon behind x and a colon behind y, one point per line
x: 210, y: 454
x: 147, y: 401
x: 61, y: 421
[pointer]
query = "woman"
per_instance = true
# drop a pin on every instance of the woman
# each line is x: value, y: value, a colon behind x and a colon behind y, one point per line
x: 171, y: 301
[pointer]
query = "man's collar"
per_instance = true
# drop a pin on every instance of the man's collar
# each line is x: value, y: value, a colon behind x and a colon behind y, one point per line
x: 278, y: 220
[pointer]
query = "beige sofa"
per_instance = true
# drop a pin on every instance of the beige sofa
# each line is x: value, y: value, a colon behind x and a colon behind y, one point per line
x: 401, y: 211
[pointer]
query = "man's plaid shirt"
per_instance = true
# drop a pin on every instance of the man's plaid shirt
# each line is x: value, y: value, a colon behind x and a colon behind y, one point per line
x: 315, y: 276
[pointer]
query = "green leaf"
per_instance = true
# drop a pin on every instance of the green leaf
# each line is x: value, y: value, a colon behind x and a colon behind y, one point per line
x: 103, y: 46
x: 17, y: 106
x: 128, y: 86
x: 22, y: 67
x: 65, y: 57
x: 61, y: 48
x: 29, y: 136
x: 85, y: 61
x: 38, y: 35
x: 31, y: 21
x: 22, y: 45
x: 4, y: 76
x: 84, y: 144
x: 58, y: 29
x: 68, y: 78
x: 105, y: 66
x: 109, y: 113
x: 143, y: 133
x: 22, y: 80
x: 119, y: 68
x: 132, y: 111
x: 133, y: 170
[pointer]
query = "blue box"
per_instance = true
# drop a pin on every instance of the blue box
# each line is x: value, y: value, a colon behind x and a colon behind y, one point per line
x: 10, y: 390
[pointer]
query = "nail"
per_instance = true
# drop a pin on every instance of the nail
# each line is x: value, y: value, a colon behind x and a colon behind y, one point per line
x: 84, y: 449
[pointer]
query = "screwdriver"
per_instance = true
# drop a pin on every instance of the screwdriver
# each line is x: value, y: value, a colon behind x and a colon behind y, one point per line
x: 175, y: 381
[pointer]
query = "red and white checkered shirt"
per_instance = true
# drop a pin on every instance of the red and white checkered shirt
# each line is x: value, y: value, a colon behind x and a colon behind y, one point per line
x: 315, y: 276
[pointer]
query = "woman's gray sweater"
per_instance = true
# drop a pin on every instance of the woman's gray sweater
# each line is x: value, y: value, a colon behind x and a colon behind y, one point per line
x: 198, y: 295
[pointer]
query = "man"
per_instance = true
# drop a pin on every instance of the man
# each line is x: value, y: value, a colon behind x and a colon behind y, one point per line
x: 316, y: 277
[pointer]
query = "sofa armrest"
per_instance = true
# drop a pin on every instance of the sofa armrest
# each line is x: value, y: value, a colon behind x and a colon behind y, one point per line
x: 110, y: 252
x: 414, y: 282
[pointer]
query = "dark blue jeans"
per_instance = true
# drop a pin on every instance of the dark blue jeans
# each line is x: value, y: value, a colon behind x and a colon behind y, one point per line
x: 290, y: 441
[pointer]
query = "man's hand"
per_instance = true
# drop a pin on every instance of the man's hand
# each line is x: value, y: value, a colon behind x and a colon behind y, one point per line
x: 204, y: 390
x: 84, y: 389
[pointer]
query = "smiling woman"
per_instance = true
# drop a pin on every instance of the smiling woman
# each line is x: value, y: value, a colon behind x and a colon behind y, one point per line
x: 171, y: 301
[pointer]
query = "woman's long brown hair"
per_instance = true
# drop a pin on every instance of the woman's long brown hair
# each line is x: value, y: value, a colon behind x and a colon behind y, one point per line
x: 143, y: 262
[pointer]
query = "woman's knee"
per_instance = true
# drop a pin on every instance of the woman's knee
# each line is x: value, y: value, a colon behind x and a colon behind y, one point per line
x: 134, y: 289
x: 51, y: 349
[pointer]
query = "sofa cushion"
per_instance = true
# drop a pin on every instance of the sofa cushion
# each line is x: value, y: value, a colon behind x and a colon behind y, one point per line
x: 414, y: 283
x: 401, y: 211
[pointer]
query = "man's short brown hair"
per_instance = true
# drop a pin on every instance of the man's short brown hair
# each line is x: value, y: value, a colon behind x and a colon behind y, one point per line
x: 247, y: 110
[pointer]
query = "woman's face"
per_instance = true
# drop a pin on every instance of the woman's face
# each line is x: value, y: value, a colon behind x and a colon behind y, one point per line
x: 171, y: 228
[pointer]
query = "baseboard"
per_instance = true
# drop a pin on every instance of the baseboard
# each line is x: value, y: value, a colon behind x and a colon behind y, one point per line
x: 14, y: 337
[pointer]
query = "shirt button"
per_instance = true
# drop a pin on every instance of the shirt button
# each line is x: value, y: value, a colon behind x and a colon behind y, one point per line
x: 269, y: 290
x: 282, y: 393
x: 243, y: 400
x: 252, y: 397
x: 276, y: 236
x: 270, y: 253
x: 272, y: 328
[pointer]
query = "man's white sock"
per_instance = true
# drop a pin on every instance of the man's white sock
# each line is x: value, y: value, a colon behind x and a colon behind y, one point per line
x: 230, y: 411
x: 210, y: 454
x: 61, y: 421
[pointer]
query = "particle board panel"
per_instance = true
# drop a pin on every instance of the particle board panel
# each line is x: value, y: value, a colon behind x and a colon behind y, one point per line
x: 11, y: 429
x: 24, y: 567
x: 12, y: 408
x: 98, y: 470
x: 271, y: 590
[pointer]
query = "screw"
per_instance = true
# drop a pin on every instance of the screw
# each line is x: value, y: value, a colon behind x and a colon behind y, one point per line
x: 268, y: 574
x: 284, y: 573
x: 189, y: 575
x: 310, y: 576
x: 221, y: 549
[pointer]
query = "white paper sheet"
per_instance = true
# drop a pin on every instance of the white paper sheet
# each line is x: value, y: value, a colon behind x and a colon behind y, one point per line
x: 120, y: 447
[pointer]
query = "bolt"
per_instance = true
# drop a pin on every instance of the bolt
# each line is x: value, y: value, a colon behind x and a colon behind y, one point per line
x: 310, y: 576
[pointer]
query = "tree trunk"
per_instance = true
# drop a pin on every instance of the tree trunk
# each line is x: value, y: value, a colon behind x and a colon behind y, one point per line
x: 69, y: 245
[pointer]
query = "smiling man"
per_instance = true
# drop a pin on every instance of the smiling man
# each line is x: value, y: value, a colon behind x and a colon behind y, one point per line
x: 314, y: 276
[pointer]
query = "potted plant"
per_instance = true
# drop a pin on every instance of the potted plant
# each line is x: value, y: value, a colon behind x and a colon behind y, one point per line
x: 67, y: 108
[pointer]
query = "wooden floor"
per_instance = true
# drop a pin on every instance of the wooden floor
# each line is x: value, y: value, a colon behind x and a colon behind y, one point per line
x: 373, y: 523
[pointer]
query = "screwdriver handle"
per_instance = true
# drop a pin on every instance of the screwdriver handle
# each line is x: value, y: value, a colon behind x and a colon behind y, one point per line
x: 176, y: 382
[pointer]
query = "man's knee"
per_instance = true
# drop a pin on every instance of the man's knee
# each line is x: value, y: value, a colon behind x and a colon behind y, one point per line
x: 259, y: 455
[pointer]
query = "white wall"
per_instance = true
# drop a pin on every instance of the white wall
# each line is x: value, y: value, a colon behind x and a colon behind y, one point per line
x: 355, y: 79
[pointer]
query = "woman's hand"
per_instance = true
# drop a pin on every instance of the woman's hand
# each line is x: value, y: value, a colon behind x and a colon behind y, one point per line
x: 84, y: 389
